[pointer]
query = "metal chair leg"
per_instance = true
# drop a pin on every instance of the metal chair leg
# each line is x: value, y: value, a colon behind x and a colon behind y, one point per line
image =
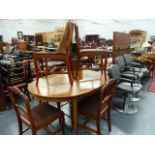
x: 127, y: 109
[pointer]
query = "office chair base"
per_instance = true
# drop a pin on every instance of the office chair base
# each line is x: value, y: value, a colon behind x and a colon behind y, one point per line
x: 134, y: 99
x: 130, y: 110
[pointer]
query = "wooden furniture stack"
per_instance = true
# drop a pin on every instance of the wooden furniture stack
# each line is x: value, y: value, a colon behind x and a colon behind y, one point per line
x: 16, y: 75
x: 137, y: 37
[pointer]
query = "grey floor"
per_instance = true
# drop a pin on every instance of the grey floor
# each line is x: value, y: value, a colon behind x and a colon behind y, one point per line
x: 141, y: 123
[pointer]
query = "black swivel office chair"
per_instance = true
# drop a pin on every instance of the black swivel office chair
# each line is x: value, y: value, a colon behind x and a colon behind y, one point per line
x: 127, y: 87
x: 128, y: 71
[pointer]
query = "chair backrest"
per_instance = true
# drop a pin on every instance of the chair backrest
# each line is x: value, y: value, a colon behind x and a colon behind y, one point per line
x: 71, y: 31
x: 66, y: 39
x: 107, y: 92
x: 120, y: 62
x: 128, y: 59
x: 23, y: 112
x: 114, y: 71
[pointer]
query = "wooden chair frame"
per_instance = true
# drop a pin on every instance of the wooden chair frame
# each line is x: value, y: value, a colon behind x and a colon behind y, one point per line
x: 25, y: 115
x: 45, y: 57
x: 93, y: 53
x: 103, y: 107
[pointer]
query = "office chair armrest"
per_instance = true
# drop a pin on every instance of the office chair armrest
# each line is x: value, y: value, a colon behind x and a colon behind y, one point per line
x: 130, y: 68
x: 137, y: 77
x: 126, y: 80
x: 141, y: 63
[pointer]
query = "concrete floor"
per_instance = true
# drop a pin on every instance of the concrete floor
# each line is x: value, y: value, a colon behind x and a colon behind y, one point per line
x: 141, y: 123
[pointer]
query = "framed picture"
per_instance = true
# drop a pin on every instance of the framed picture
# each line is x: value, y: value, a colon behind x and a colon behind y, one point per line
x: 20, y: 35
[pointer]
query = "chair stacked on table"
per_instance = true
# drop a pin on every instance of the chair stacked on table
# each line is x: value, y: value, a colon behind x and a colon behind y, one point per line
x: 96, y: 60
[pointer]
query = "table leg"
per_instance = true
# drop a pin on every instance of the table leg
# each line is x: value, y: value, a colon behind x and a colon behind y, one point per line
x: 75, y: 116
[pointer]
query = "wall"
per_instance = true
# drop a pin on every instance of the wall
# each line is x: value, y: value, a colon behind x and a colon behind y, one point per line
x: 106, y: 28
x: 103, y: 27
x: 9, y: 28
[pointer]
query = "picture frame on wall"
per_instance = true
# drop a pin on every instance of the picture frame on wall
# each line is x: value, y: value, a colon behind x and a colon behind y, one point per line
x: 20, y: 35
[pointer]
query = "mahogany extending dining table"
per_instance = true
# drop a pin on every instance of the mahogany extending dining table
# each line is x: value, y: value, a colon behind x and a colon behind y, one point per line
x: 57, y: 88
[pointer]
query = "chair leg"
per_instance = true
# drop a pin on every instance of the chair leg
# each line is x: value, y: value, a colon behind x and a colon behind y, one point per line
x: 59, y: 107
x: 71, y: 113
x: 20, y: 125
x: 98, y: 126
x: 109, y: 119
x: 63, y: 124
x: 34, y: 132
x: 28, y: 94
x: 69, y: 70
x: 124, y: 101
x: 105, y: 74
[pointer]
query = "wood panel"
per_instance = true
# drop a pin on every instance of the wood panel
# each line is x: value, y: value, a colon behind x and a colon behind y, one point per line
x: 121, y: 44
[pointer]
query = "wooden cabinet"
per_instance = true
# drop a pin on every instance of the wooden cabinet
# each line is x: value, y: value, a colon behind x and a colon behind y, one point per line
x: 91, y: 38
x: 44, y: 37
x: 39, y: 39
x: 29, y: 38
x: 22, y: 46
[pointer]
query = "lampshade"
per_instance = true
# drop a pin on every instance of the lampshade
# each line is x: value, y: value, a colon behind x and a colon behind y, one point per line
x: 146, y: 44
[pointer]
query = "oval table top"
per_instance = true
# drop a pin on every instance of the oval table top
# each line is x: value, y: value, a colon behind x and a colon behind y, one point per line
x: 58, y: 88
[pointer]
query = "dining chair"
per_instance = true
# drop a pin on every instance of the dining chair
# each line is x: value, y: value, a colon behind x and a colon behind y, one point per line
x: 96, y: 60
x: 37, y: 117
x: 62, y: 54
x: 98, y: 105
